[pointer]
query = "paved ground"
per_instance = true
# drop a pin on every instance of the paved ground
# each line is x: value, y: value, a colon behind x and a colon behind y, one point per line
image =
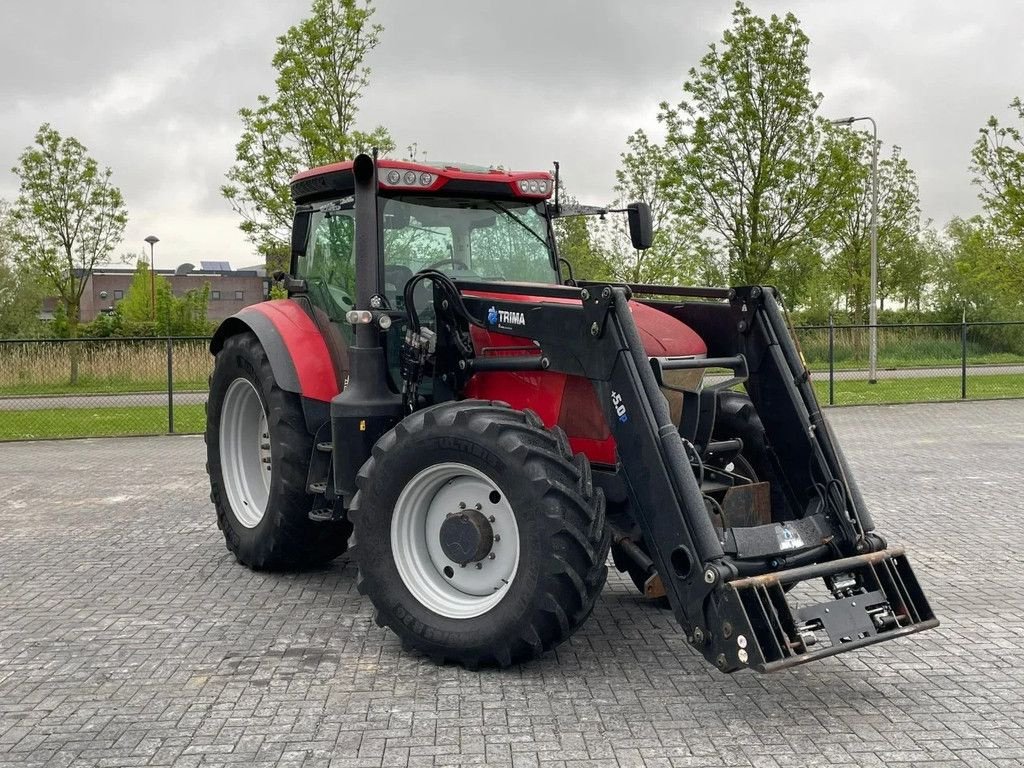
x: 128, y: 636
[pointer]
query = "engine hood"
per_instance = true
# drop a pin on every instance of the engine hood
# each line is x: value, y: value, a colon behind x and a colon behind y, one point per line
x: 663, y: 335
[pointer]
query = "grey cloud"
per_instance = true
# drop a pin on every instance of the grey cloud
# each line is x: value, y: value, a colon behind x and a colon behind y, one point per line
x: 153, y: 88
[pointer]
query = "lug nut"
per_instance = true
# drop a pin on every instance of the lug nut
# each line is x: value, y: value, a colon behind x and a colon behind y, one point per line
x: 489, y: 519
x: 479, y: 566
x: 497, y: 538
x: 462, y: 505
x: 491, y: 556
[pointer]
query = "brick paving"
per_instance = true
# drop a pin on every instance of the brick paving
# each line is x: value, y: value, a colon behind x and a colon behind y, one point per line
x: 129, y: 636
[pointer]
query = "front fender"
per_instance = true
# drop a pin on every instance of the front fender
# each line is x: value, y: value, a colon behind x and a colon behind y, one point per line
x: 294, y: 345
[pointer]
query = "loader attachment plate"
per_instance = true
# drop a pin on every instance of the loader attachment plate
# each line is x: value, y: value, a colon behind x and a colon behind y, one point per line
x: 875, y: 597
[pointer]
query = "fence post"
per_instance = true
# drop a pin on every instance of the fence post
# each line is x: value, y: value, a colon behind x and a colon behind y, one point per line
x: 170, y: 386
x: 831, y: 360
x: 963, y: 356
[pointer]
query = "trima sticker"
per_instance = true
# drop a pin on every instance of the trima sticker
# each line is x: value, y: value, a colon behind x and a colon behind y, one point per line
x: 497, y: 316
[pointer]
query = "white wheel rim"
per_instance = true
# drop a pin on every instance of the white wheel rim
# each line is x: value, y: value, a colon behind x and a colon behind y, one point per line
x: 245, y: 452
x: 438, y: 583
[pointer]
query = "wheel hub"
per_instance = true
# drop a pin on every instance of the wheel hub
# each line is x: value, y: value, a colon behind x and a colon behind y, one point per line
x: 466, y: 536
x: 455, y: 540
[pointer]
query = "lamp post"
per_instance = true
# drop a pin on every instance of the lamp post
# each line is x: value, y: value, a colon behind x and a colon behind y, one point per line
x: 152, y: 240
x: 872, y: 309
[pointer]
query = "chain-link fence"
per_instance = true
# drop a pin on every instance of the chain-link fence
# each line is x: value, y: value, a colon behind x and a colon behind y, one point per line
x: 148, y: 386
x: 97, y: 387
x: 915, y: 362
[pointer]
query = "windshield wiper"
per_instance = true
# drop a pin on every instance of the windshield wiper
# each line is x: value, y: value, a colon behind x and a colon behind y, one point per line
x: 499, y: 207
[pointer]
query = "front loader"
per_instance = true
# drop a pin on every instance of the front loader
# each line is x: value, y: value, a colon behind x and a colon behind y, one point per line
x: 492, y: 430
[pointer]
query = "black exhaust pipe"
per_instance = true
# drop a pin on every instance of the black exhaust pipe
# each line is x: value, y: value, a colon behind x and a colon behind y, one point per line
x: 366, y: 408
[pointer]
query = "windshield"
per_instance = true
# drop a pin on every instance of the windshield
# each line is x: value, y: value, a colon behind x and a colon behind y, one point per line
x: 478, y: 239
x: 483, y: 239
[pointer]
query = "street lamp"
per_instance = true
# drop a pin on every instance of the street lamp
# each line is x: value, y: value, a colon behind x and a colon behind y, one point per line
x: 152, y: 240
x: 872, y: 309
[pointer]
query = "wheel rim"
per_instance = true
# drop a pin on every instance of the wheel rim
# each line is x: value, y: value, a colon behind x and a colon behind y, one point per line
x: 245, y: 452
x: 439, y: 583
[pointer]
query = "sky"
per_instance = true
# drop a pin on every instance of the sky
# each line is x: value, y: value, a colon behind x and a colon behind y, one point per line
x: 153, y: 88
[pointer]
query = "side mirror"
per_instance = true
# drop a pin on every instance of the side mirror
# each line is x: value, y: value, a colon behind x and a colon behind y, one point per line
x: 300, y: 234
x: 641, y: 225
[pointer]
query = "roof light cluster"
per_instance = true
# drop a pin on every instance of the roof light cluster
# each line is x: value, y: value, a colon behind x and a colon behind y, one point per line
x: 539, y: 187
x: 396, y: 177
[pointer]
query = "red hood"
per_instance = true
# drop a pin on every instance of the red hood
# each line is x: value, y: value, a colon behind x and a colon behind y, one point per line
x: 662, y: 334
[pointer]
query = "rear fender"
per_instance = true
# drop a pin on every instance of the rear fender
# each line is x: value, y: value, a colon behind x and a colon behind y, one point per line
x: 295, y: 347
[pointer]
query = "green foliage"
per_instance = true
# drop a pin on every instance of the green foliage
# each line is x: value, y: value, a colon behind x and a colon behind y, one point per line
x: 749, y: 163
x: 679, y: 254
x: 980, y: 271
x: 20, y: 291
x: 68, y: 216
x: 904, y: 265
x: 173, y: 315
x: 998, y: 165
x: 309, y: 122
x: 575, y: 241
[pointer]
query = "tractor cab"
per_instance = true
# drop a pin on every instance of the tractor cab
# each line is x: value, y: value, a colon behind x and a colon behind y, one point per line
x: 472, y: 223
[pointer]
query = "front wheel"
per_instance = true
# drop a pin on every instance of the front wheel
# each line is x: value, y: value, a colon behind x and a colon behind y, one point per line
x: 258, y: 451
x: 481, y: 538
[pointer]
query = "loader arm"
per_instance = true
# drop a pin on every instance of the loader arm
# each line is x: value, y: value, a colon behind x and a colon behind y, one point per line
x: 726, y: 586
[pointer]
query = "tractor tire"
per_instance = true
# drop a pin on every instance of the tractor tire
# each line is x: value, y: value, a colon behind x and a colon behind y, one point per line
x: 258, y: 451
x: 480, y: 538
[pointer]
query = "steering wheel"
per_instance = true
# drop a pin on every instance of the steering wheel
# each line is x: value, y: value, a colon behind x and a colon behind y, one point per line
x: 456, y: 264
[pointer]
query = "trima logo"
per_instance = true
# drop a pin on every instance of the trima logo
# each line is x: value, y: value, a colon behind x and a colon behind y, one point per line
x: 497, y: 316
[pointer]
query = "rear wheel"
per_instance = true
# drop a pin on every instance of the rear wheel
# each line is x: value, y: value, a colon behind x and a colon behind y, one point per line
x: 481, y: 539
x: 258, y: 453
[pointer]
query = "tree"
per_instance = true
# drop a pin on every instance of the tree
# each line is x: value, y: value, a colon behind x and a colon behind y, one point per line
x: 998, y: 165
x: 750, y: 163
x: 309, y: 122
x: 68, y: 217
x: 174, y: 316
x: 678, y: 254
x: 903, y: 266
x: 980, y: 272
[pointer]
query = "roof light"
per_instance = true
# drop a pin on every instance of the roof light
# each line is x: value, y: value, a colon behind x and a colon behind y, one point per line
x: 399, y: 177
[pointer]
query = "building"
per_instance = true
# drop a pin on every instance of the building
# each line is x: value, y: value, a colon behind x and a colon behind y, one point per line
x: 230, y: 290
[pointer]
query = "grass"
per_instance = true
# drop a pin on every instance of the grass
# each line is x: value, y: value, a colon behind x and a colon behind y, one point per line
x: 107, y: 386
x: 100, y: 422
x: 921, y: 390
x: 104, y: 366
x: 913, y: 347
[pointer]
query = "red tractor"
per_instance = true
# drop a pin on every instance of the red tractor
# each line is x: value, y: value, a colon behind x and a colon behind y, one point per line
x: 489, y: 429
